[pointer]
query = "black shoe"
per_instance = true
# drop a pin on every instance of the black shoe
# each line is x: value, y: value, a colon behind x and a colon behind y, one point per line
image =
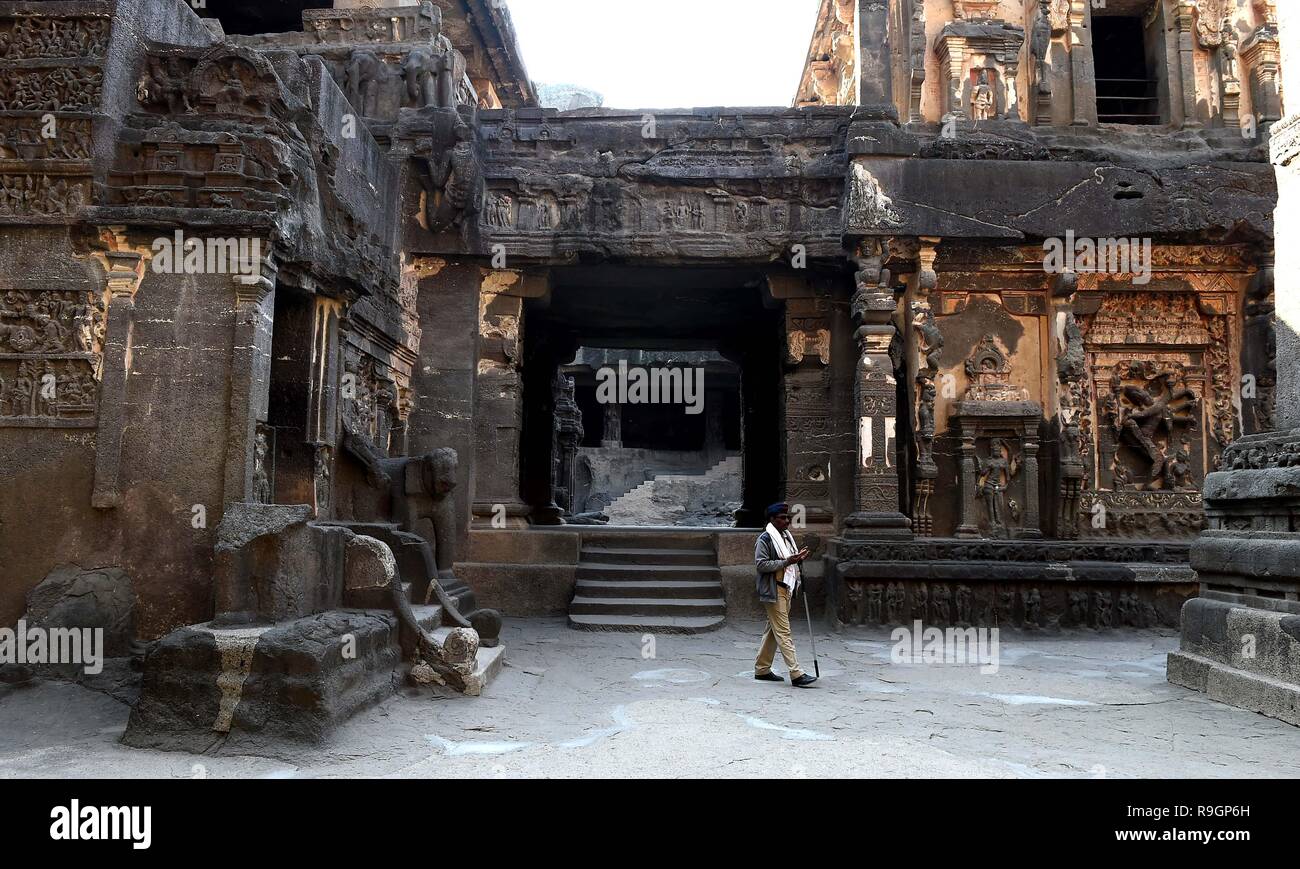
x: 803, y: 681
x: 768, y: 677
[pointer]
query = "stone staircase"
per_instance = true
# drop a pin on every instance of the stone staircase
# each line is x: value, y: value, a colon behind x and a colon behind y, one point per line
x: 664, y: 582
x: 667, y: 498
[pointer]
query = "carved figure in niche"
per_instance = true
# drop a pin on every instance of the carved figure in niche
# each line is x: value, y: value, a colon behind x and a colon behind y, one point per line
x: 941, y: 599
x: 322, y: 479
x: 853, y: 602
x: 498, y: 211
x: 20, y: 399
x: 920, y: 600
x: 1228, y: 53
x: 1040, y: 42
x: 874, y: 595
x: 989, y: 373
x: 1146, y: 419
x: 261, y: 476
x: 982, y: 99
x: 1178, y: 470
x: 367, y: 77
x: 454, y: 177
x: 1033, y: 607
x: 963, y: 602
x: 995, y: 476
x: 1078, y: 607
x: 894, y: 603
x: 44, y: 383
x: 165, y: 85
x: 1102, y: 608
x: 930, y: 339
x: 925, y: 422
x: 1006, y: 606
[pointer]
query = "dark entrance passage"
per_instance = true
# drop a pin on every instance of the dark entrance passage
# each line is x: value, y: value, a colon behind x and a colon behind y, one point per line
x: 653, y: 396
x: 1127, y: 89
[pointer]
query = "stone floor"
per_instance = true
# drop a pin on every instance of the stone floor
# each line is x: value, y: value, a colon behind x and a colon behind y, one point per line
x: 572, y: 704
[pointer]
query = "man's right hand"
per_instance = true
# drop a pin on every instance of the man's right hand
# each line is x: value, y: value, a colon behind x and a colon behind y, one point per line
x: 798, y: 557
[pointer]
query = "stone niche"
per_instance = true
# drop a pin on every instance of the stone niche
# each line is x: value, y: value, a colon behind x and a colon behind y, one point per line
x: 998, y: 428
x: 980, y: 59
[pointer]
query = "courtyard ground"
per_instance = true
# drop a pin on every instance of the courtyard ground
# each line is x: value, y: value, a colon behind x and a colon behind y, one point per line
x: 576, y: 704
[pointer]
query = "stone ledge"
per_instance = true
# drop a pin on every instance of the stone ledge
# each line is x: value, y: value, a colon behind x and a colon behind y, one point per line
x: 1235, y: 687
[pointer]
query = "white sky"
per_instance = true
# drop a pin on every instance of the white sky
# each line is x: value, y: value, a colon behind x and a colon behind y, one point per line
x: 669, y: 53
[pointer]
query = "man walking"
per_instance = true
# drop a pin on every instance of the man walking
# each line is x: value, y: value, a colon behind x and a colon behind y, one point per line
x: 778, y: 560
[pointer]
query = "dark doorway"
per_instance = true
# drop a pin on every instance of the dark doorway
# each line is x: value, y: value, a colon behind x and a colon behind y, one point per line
x: 1127, y: 90
x: 264, y: 16
x: 714, y: 451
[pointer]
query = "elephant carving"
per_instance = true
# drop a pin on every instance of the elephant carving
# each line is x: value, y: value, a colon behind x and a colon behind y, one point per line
x: 419, y: 488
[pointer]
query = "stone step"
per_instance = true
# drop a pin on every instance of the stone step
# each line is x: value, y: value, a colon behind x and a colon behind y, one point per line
x: 487, y: 664
x: 646, y: 572
x: 644, y: 606
x: 630, y: 555
x: 428, y: 615
x: 645, y: 624
x: 687, y: 589
x: 649, y: 539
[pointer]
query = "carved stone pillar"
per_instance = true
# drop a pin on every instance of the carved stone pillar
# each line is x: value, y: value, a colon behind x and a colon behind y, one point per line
x: 1263, y: 58
x: 875, y: 67
x: 1184, y: 18
x: 1083, y: 70
x: 498, y: 408
x: 876, y: 487
x: 918, y: 49
x: 250, y: 376
x: 1039, y: 110
x: 568, y: 437
x: 807, y: 386
x: 125, y: 270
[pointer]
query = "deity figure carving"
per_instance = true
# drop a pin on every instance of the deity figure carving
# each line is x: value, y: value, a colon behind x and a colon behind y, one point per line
x: 983, y: 101
x: 1040, y: 42
x: 166, y: 85
x: 261, y: 475
x: 1147, y: 418
x: 454, y: 179
x: 994, y: 478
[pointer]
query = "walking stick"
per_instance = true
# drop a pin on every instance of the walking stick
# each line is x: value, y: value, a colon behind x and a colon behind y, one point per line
x: 817, y: 670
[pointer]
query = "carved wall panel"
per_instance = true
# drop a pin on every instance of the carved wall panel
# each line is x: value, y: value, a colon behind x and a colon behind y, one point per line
x: 51, y: 346
x: 49, y: 67
x: 1161, y: 372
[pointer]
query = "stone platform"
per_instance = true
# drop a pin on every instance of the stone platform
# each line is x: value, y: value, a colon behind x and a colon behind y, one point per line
x: 297, y: 680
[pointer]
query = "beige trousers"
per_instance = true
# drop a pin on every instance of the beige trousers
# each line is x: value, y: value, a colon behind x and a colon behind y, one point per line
x: 778, y: 634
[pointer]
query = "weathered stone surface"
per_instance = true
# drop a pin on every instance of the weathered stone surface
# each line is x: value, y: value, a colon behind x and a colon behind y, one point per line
x: 293, y: 681
x: 98, y: 598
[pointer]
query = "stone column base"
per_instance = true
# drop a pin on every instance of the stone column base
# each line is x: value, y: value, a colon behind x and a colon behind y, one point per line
x: 1242, y: 656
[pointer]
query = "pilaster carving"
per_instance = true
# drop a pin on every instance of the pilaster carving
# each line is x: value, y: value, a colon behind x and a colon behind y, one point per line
x: 876, y: 484
x: 124, y: 269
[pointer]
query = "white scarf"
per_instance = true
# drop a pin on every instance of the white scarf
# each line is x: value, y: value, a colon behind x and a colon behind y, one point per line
x: 785, y: 549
